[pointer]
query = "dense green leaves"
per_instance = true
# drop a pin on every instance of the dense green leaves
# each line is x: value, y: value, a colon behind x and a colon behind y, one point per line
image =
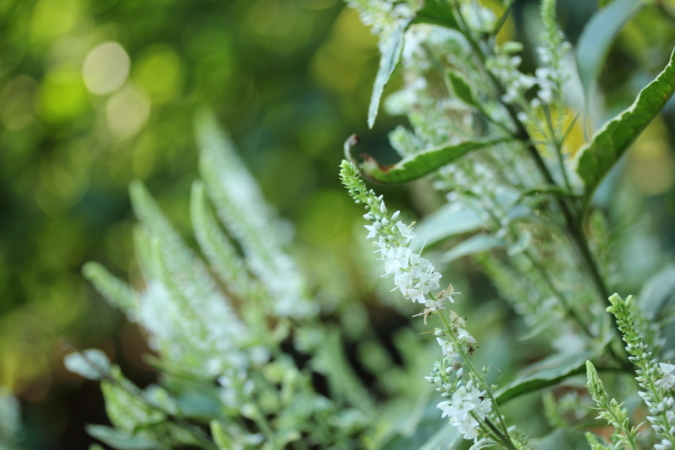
x: 416, y: 166
x: 607, y: 145
x: 391, y: 48
x: 598, y: 35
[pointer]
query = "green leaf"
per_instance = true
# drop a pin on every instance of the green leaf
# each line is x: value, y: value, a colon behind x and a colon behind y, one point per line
x: 416, y: 166
x: 462, y: 89
x: 547, y: 372
x: 658, y: 291
x: 437, y: 12
x: 127, y: 411
x: 116, y: 292
x: 449, y: 220
x: 475, y: 244
x: 564, y: 439
x: 598, y: 35
x: 92, y: 364
x: 391, y: 49
x: 609, y: 143
x: 121, y: 440
x: 216, y: 246
x: 483, y: 443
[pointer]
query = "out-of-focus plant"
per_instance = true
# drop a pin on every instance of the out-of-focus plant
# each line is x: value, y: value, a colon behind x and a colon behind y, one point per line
x: 246, y: 356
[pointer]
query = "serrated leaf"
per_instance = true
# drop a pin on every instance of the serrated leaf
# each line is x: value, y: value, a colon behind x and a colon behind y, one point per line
x: 609, y: 143
x: 437, y: 12
x: 475, y: 244
x: 120, y: 440
x: 462, y: 89
x: 598, y: 35
x: 391, y: 49
x: 449, y: 220
x: 92, y: 364
x: 416, y: 166
x: 547, y: 372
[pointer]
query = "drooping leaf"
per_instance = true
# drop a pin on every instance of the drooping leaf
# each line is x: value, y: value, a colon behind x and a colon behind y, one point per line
x: 547, y: 372
x: 391, y: 49
x: 564, y: 439
x: 598, y: 35
x: 475, y: 244
x: 416, y: 166
x: 92, y: 364
x: 483, y: 443
x: 437, y: 12
x: 121, y: 440
x: 610, y: 142
x: 449, y: 220
x: 462, y: 89
x: 657, y: 291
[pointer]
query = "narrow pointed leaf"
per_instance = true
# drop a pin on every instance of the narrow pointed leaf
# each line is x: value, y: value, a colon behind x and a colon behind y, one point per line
x: 598, y: 156
x: 548, y: 372
x: 391, y: 54
x: 598, y: 36
x: 416, y: 166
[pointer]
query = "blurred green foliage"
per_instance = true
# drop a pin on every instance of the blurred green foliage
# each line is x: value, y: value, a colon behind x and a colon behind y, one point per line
x: 95, y: 93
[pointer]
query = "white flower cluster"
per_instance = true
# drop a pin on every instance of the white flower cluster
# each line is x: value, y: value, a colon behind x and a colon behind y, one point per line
x: 413, y: 275
x: 661, y: 405
x: 467, y: 405
x: 382, y: 16
x: 504, y: 65
x: 551, y: 76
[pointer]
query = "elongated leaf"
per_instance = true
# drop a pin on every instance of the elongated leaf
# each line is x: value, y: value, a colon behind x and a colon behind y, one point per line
x: 546, y: 373
x: 437, y: 12
x: 391, y: 54
x: 120, y: 440
x: 476, y: 244
x: 608, y: 144
x: 116, y: 292
x: 657, y: 291
x: 598, y: 35
x: 416, y: 166
x: 449, y: 220
x: 462, y: 89
x: 218, y: 249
